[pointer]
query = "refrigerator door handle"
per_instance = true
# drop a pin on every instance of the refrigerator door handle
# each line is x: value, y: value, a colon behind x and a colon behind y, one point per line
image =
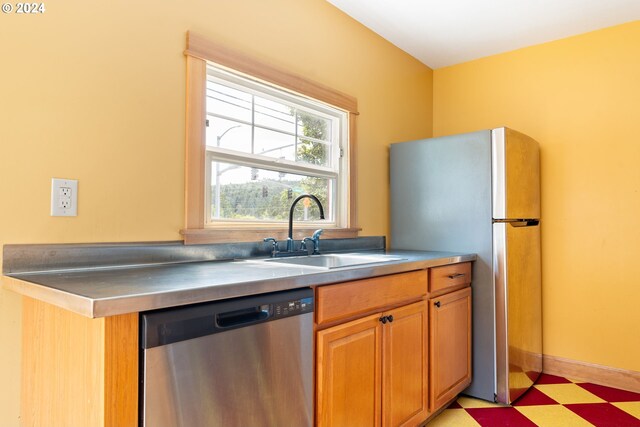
x: 525, y: 223
x: 518, y: 222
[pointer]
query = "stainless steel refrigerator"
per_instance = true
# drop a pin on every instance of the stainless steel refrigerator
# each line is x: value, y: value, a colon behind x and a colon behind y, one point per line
x: 480, y: 192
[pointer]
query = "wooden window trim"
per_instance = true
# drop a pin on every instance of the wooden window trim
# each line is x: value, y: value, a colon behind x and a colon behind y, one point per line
x: 199, y: 51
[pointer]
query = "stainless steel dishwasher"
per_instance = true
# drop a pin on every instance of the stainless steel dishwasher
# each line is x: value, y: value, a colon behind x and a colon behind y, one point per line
x: 244, y: 362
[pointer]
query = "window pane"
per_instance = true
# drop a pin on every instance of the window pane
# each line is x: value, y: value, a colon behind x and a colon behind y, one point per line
x: 313, y: 152
x: 274, y: 144
x: 274, y: 115
x: 318, y: 129
x: 245, y: 193
x: 228, y: 134
x: 314, y: 126
x: 228, y: 102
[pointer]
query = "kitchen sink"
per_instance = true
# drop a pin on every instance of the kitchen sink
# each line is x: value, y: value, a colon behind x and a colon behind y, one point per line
x: 330, y: 261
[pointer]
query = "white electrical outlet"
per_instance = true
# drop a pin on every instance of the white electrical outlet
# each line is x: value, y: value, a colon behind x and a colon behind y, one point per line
x: 64, y: 192
x: 64, y: 197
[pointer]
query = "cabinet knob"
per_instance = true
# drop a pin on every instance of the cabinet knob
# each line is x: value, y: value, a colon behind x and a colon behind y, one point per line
x: 437, y: 304
x: 383, y: 319
x: 390, y: 318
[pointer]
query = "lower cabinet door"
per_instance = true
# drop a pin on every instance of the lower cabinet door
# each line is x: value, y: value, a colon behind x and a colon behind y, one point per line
x: 404, y: 372
x: 349, y: 374
x: 450, y: 346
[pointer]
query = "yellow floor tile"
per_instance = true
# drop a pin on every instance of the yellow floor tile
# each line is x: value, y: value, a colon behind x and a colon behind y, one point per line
x: 568, y: 393
x: 453, y: 418
x: 552, y: 416
x: 470, y: 402
x: 632, y: 408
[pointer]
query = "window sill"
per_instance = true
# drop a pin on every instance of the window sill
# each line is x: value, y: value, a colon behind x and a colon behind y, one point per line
x: 230, y: 235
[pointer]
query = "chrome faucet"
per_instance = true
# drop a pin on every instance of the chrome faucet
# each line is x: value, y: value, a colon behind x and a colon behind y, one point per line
x: 274, y: 245
x: 293, y: 205
x: 315, y: 239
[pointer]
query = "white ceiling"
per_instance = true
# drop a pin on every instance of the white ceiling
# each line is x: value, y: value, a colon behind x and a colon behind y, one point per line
x: 447, y: 32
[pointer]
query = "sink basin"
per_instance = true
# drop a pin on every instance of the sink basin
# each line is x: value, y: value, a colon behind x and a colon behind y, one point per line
x: 329, y: 261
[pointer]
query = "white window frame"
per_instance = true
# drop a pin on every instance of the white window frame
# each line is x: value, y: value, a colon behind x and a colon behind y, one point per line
x: 339, y: 150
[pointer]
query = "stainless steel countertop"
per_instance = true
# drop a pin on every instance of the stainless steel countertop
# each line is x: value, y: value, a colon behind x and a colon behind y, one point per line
x: 100, y: 292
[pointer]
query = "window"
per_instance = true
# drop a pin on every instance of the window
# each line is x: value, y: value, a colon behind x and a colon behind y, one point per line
x: 264, y: 147
x: 258, y: 137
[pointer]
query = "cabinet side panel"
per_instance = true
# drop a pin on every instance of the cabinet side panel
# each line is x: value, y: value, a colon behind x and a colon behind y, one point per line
x: 62, y: 367
x: 121, y: 371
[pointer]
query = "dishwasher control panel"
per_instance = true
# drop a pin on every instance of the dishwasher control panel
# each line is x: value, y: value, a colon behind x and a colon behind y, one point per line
x: 292, y: 308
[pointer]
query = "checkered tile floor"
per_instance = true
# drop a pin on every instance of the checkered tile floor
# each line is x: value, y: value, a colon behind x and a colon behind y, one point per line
x: 551, y: 402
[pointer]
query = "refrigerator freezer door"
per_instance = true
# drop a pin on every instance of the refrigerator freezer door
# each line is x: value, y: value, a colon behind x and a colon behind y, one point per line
x: 515, y: 175
x: 518, y: 308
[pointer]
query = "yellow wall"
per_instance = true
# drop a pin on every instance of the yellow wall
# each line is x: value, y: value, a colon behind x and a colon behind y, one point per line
x: 579, y: 97
x: 96, y: 92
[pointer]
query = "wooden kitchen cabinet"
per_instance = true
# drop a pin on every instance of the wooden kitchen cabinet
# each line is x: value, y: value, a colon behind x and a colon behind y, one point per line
x: 449, y: 346
x: 372, y: 371
x: 349, y: 373
x: 449, y: 278
x: 348, y: 300
x: 404, y: 368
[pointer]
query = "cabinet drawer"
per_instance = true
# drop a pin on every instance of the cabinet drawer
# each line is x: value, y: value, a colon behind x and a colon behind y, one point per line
x: 350, y: 299
x: 449, y: 276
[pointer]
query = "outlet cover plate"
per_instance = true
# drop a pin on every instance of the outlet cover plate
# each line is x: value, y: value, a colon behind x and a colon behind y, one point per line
x: 64, y: 197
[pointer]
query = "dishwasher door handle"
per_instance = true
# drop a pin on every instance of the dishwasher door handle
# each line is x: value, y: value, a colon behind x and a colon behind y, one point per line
x: 242, y: 317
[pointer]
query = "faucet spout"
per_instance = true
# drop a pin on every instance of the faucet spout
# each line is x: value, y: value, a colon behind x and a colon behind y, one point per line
x: 293, y: 205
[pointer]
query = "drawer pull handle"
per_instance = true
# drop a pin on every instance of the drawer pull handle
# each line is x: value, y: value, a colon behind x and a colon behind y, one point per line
x: 455, y: 276
x: 437, y: 304
x: 385, y: 319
